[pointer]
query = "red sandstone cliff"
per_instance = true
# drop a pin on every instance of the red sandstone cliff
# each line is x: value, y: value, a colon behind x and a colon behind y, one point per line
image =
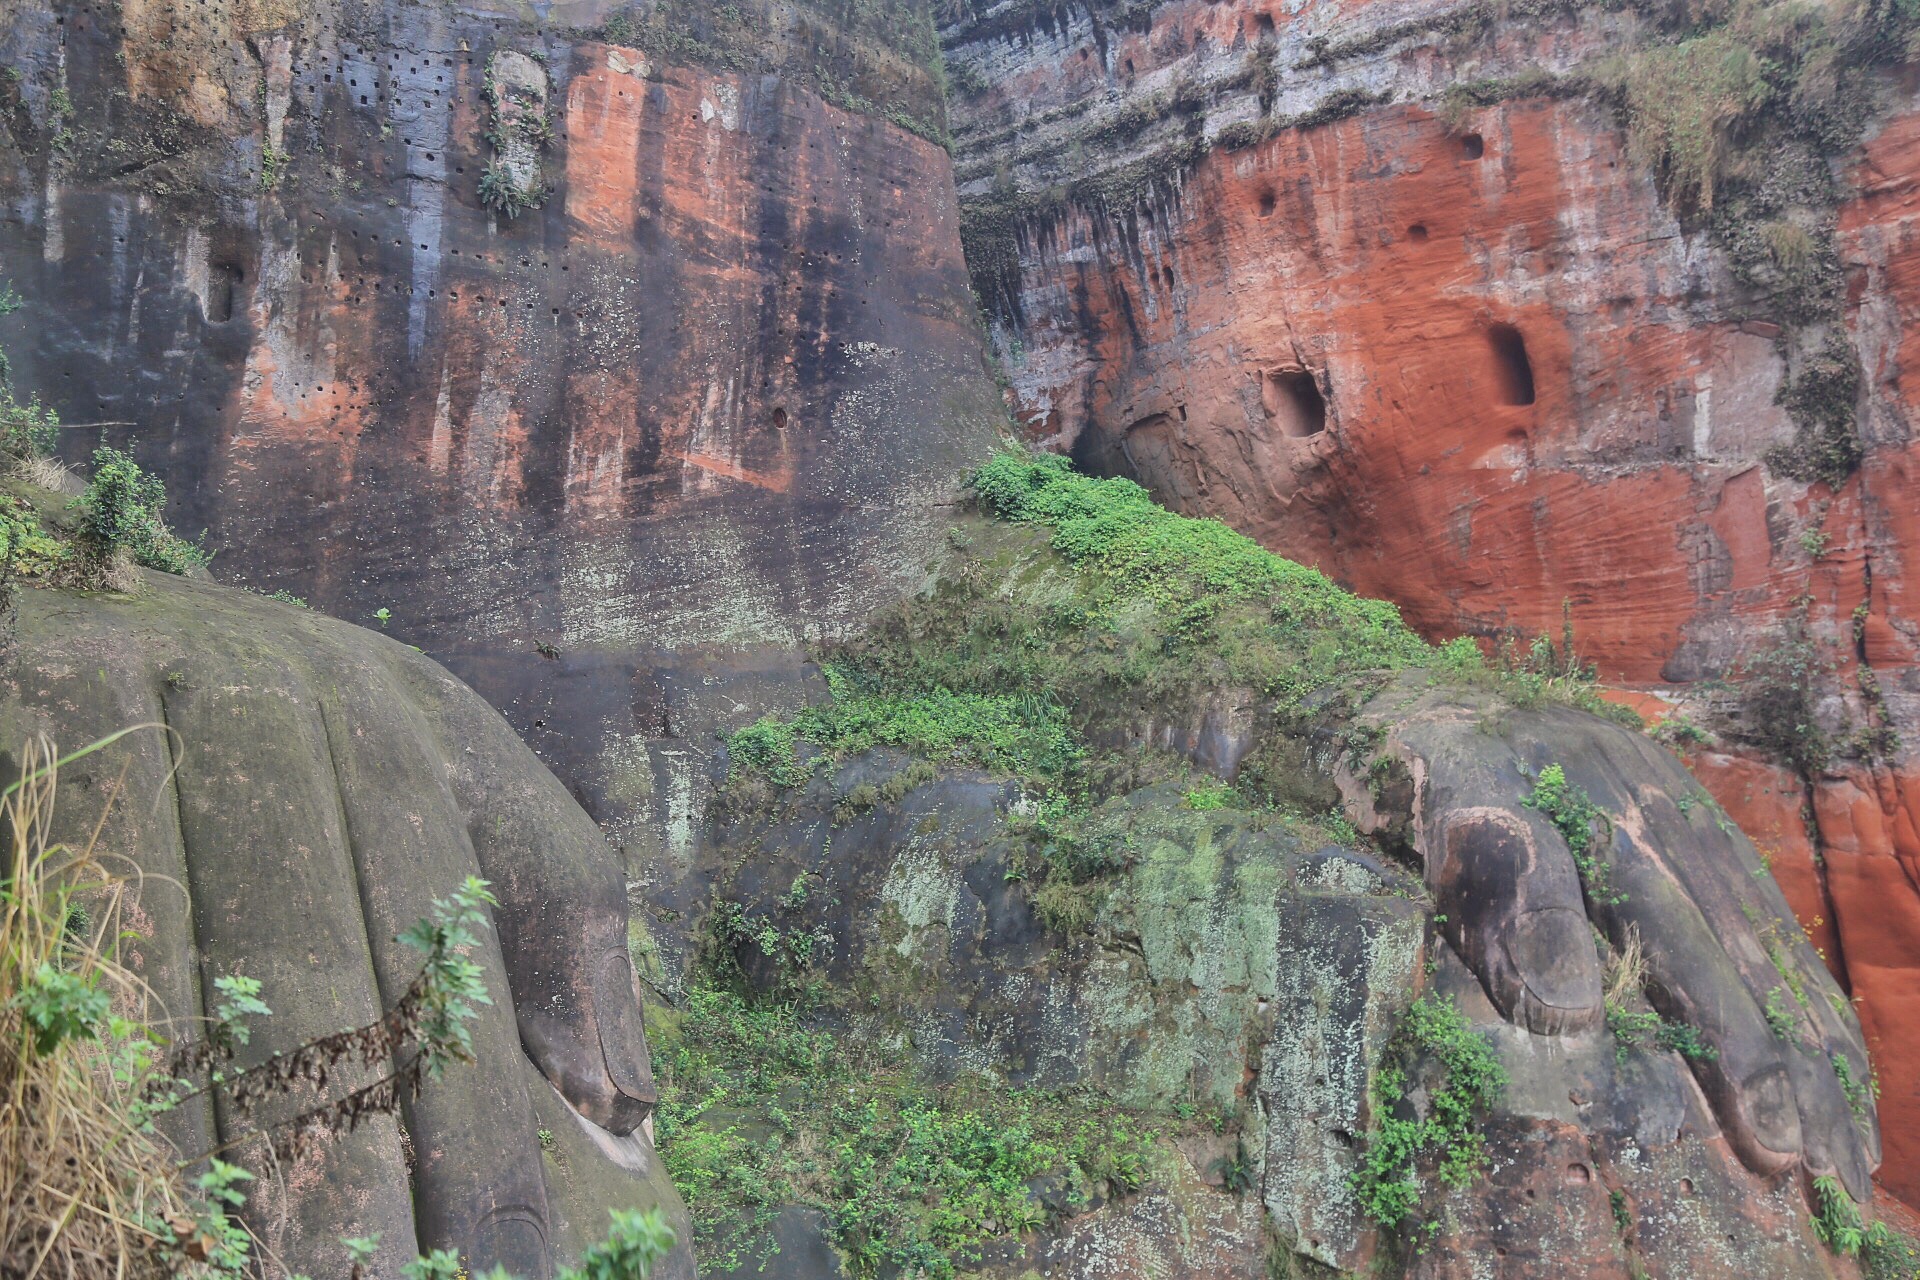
x: 1272, y: 263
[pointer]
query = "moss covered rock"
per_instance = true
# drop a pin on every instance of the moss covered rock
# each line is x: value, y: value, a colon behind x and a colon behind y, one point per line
x: 1463, y: 976
x: 296, y: 794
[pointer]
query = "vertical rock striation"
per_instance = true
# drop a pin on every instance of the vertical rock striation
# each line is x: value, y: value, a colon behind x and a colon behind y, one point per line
x: 685, y: 376
x: 1392, y: 289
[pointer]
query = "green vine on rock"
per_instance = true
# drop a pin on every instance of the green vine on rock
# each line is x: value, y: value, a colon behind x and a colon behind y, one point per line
x: 1574, y: 813
x: 1463, y: 1077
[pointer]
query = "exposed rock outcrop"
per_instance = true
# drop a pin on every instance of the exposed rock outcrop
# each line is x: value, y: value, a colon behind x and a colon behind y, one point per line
x: 700, y: 398
x: 1393, y: 290
x: 300, y: 792
x: 1220, y: 955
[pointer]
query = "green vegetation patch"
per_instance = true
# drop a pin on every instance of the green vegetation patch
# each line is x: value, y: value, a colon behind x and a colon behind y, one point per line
x: 1024, y: 733
x: 27, y: 549
x: 1078, y: 612
x: 1434, y: 1045
x: 122, y: 509
x: 1192, y: 571
x: 1840, y: 1226
x: 1822, y: 398
x: 1574, y: 813
x: 1643, y: 1028
x: 759, y: 1110
x: 1030, y: 648
x: 1779, y: 703
x: 1861, y: 1094
x: 76, y: 543
x: 878, y: 58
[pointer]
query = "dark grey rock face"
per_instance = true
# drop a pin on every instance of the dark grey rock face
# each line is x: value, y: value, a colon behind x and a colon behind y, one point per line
x: 702, y: 400
x: 1232, y: 961
x: 299, y: 793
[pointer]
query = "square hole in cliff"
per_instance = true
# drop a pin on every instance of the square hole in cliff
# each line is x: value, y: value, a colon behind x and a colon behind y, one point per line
x: 1512, y: 370
x: 1472, y: 146
x: 225, y: 283
x: 1267, y: 199
x: 1293, y: 403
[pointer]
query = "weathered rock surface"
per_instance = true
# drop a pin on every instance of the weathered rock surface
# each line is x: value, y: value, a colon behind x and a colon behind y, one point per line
x: 701, y: 399
x: 614, y: 457
x: 1234, y: 965
x: 1467, y: 358
x: 1663, y: 1115
x: 301, y: 791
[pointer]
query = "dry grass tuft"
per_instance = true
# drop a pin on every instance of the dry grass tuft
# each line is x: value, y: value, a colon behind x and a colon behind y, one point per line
x: 50, y: 474
x: 1626, y: 970
x: 82, y: 1190
x: 119, y: 574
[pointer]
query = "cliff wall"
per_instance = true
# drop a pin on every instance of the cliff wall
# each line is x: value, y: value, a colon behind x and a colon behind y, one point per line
x: 1424, y: 296
x: 566, y: 353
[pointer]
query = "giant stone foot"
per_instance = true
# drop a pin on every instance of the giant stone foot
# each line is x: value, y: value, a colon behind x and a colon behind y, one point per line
x: 309, y: 789
x: 1783, y: 1064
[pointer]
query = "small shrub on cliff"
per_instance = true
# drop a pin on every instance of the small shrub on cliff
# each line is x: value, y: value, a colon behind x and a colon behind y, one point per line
x: 1210, y: 795
x: 28, y: 429
x: 1778, y: 708
x: 1642, y: 1028
x: 1861, y: 1094
x: 1639, y: 1028
x: 636, y: 1240
x: 121, y: 510
x: 1529, y: 672
x: 1463, y: 1079
x: 1569, y: 808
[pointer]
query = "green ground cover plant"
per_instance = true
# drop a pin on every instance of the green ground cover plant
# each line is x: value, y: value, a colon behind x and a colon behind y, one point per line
x: 1434, y: 1045
x: 761, y: 1109
x: 1024, y: 644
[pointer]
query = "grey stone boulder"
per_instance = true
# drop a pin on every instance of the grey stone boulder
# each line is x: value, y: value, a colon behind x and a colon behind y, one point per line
x: 300, y: 793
